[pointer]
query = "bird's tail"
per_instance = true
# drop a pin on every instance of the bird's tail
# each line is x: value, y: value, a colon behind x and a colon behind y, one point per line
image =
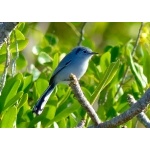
x: 39, y: 106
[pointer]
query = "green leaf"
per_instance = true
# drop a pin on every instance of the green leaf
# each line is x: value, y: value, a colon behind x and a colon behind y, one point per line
x: 35, y: 72
x: 55, y: 61
x: 114, y: 53
x: 9, y: 91
x: 25, y: 114
x: 105, y: 61
x: 107, y: 77
x: 86, y: 93
x: 65, y: 113
x: 62, y: 123
x: 111, y: 113
x: 65, y: 97
x: 19, y: 35
x: 13, y: 90
x: 137, y: 73
x: 36, y: 50
x: 9, y: 118
x: 146, y: 64
x: 101, y: 113
x: 43, y: 58
x: 41, y: 85
x: 95, y: 71
x: 52, y: 39
x: 21, y: 25
x: 21, y: 45
x: 72, y: 120
x: 2, y: 68
x: 23, y: 100
x: 27, y: 81
x: 52, y: 106
x: 2, y: 58
x: 21, y: 62
x: 13, y: 100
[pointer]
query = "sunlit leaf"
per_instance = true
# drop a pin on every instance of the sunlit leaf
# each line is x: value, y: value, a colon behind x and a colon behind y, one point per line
x: 2, y: 68
x: 13, y: 100
x: 19, y: 35
x: 34, y: 71
x: 9, y: 91
x: 21, y: 45
x: 22, y: 101
x: 44, y: 58
x: 21, y: 26
x: 105, y: 61
x: 55, y: 61
x: 62, y: 123
x: 9, y: 118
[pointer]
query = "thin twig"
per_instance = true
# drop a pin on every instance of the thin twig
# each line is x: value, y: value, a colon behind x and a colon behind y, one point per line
x: 13, y: 69
x: 81, y: 34
x: 81, y: 124
x: 82, y: 99
x: 142, y: 116
x: 138, y: 39
x: 132, y: 53
x: 3, y: 78
x: 134, y: 110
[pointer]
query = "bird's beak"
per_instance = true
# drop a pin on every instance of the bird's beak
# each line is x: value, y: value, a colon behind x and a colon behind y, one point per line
x: 93, y: 53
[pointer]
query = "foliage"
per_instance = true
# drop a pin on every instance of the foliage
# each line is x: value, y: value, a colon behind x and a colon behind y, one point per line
x: 41, y: 47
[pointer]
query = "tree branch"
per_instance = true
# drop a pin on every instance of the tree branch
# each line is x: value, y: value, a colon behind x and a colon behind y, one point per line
x: 135, y: 109
x: 13, y: 68
x: 81, y: 124
x: 82, y: 99
x: 81, y: 34
x: 5, y: 30
x: 142, y: 116
x: 3, y: 78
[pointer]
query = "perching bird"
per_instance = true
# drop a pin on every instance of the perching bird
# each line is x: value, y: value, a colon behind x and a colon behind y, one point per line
x: 75, y: 62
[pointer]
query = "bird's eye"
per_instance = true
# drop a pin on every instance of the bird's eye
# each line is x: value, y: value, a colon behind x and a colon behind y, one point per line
x: 84, y: 51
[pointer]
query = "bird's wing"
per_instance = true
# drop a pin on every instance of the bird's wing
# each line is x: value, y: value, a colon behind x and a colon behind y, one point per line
x: 58, y: 69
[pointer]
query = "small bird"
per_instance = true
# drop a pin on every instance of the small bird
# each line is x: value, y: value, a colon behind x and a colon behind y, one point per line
x: 75, y: 62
